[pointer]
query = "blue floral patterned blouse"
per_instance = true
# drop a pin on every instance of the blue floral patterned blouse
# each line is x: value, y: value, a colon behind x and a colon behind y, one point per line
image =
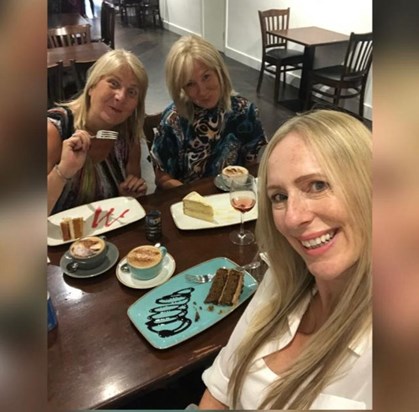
x: 215, y: 139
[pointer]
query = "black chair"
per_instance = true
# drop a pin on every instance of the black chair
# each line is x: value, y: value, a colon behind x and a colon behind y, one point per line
x: 126, y: 6
x: 150, y: 8
x: 55, y: 83
x: 351, y: 76
x: 276, y: 57
x: 107, y: 24
x: 151, y: 122
x: 79, y: 71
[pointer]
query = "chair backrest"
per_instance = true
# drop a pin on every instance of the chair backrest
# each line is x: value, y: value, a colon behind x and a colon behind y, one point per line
x: 358, y: 57
x: 273, y: 19
x: 55, y: 83
x: 107, y: 23
x: 151, y: 122
x: 79, y: 71
x: 69, y: 35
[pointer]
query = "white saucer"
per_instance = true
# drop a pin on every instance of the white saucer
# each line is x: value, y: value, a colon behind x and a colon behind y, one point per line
x: 111, y: 257
x: 167, y: 271
x: 219, y: 182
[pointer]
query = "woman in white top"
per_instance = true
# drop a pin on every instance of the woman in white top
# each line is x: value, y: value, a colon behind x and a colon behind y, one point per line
x: 304, y: 341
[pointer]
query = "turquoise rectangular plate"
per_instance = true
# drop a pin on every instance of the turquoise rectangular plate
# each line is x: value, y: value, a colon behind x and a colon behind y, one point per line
x: 175, y: 311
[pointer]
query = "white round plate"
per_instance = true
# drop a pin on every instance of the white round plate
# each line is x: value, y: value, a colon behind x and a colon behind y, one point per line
x: 219, y: 182
x: 166, y: 272
x: 111, y: 257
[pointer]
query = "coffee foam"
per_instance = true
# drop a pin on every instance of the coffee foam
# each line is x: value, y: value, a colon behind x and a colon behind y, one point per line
x: 234, y: 171
x: 144, y: 257
x: 87, y: 247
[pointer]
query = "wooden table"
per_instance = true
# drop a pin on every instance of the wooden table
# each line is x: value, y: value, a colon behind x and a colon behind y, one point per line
x: 83, y: 52
x: 96, y: 357
x: 310, y: 38
x: 65, y: 19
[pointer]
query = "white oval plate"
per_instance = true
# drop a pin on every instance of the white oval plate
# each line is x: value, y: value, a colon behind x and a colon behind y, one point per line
x: 224, y: 214
x: 99, y: 217
x: 167, y: 271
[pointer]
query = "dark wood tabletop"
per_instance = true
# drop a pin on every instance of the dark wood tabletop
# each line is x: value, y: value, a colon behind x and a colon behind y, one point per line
x: 96, y: 356
x: 65, y: 19
x: 310, y: 38
x: 82, y: 52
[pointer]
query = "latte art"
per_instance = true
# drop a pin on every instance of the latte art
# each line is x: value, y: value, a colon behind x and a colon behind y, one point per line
x: 144, y: 257
x: 87, y: 247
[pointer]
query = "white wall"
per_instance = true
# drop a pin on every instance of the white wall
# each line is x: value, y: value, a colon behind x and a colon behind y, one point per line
x: 243, y: 42
x: 182, y: 16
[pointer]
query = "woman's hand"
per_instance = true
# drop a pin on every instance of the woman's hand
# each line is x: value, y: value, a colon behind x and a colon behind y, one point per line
x: 74, y: 152
x: 133, y: 186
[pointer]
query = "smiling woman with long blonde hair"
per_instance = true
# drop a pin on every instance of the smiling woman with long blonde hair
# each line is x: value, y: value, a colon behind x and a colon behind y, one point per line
x: 304, y: 341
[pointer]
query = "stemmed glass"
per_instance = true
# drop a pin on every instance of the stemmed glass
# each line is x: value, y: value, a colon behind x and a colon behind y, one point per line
x: 243, y: 199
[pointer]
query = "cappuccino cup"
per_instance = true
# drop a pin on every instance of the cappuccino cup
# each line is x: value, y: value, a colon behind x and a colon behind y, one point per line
x: 89, y: 251
x: 145, y: 262
x: 238, y: 173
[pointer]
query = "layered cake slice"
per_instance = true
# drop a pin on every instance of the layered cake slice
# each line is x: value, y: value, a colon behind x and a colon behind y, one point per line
x: 226, y: 287
x: 72, y: 228
x: 195, y: 205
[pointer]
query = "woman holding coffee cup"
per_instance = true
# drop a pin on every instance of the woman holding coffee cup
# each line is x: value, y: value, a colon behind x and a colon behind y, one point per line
x: 82, y: 169
x: 208, y: 126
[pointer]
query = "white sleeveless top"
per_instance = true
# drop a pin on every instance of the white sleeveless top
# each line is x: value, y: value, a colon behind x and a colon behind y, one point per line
x: 352, y: 388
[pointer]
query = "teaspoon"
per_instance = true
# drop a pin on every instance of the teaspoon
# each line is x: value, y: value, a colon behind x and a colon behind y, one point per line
x: 72, y: 266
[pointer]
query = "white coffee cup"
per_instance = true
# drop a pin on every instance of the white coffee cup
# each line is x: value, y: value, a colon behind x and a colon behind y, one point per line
x: 238, y: 173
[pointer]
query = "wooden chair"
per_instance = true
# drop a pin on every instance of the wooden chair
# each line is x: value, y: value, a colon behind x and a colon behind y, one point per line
x: 69, y: 35
x: 151, y: 122
x: 276, y: 57
x: 79, y: 71
x: 55, y: 83
x: 350, y: 76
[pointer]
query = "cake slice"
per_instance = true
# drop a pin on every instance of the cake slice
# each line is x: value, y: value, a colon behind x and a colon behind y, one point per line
x: 217, y: 286
x: 226, y: 287
x: 195, y: 205
x: 72, y: 228
x: 232, y: 288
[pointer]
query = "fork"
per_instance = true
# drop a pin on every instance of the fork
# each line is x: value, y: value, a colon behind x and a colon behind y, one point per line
x: 209, y: 276
x: 200, y: 278
x: 107, y: 134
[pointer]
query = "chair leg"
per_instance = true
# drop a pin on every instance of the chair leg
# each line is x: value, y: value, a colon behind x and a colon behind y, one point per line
x: 307, y: 101
x: 336, y: 97
x: 262, y: 69
x: 277, y: 81
x: 284, y: 77
x: 361, y: 102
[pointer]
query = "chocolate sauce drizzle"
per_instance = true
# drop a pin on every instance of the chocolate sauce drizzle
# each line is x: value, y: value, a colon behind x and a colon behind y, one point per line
x: 171, y: 314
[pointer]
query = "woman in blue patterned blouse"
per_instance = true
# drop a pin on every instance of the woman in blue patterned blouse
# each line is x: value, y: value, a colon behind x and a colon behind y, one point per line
x: 208, y: 126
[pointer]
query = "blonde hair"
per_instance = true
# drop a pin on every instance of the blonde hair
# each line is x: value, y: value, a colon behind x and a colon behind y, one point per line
x: 179, y: 66
x: 107, y: 64
x: 343, y: 147
x: 131, y: 129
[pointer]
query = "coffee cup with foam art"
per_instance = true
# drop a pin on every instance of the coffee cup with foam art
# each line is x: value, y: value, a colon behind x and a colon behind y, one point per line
x: 145, y: 262
x: 238, y: 173
x: 89, y: 252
